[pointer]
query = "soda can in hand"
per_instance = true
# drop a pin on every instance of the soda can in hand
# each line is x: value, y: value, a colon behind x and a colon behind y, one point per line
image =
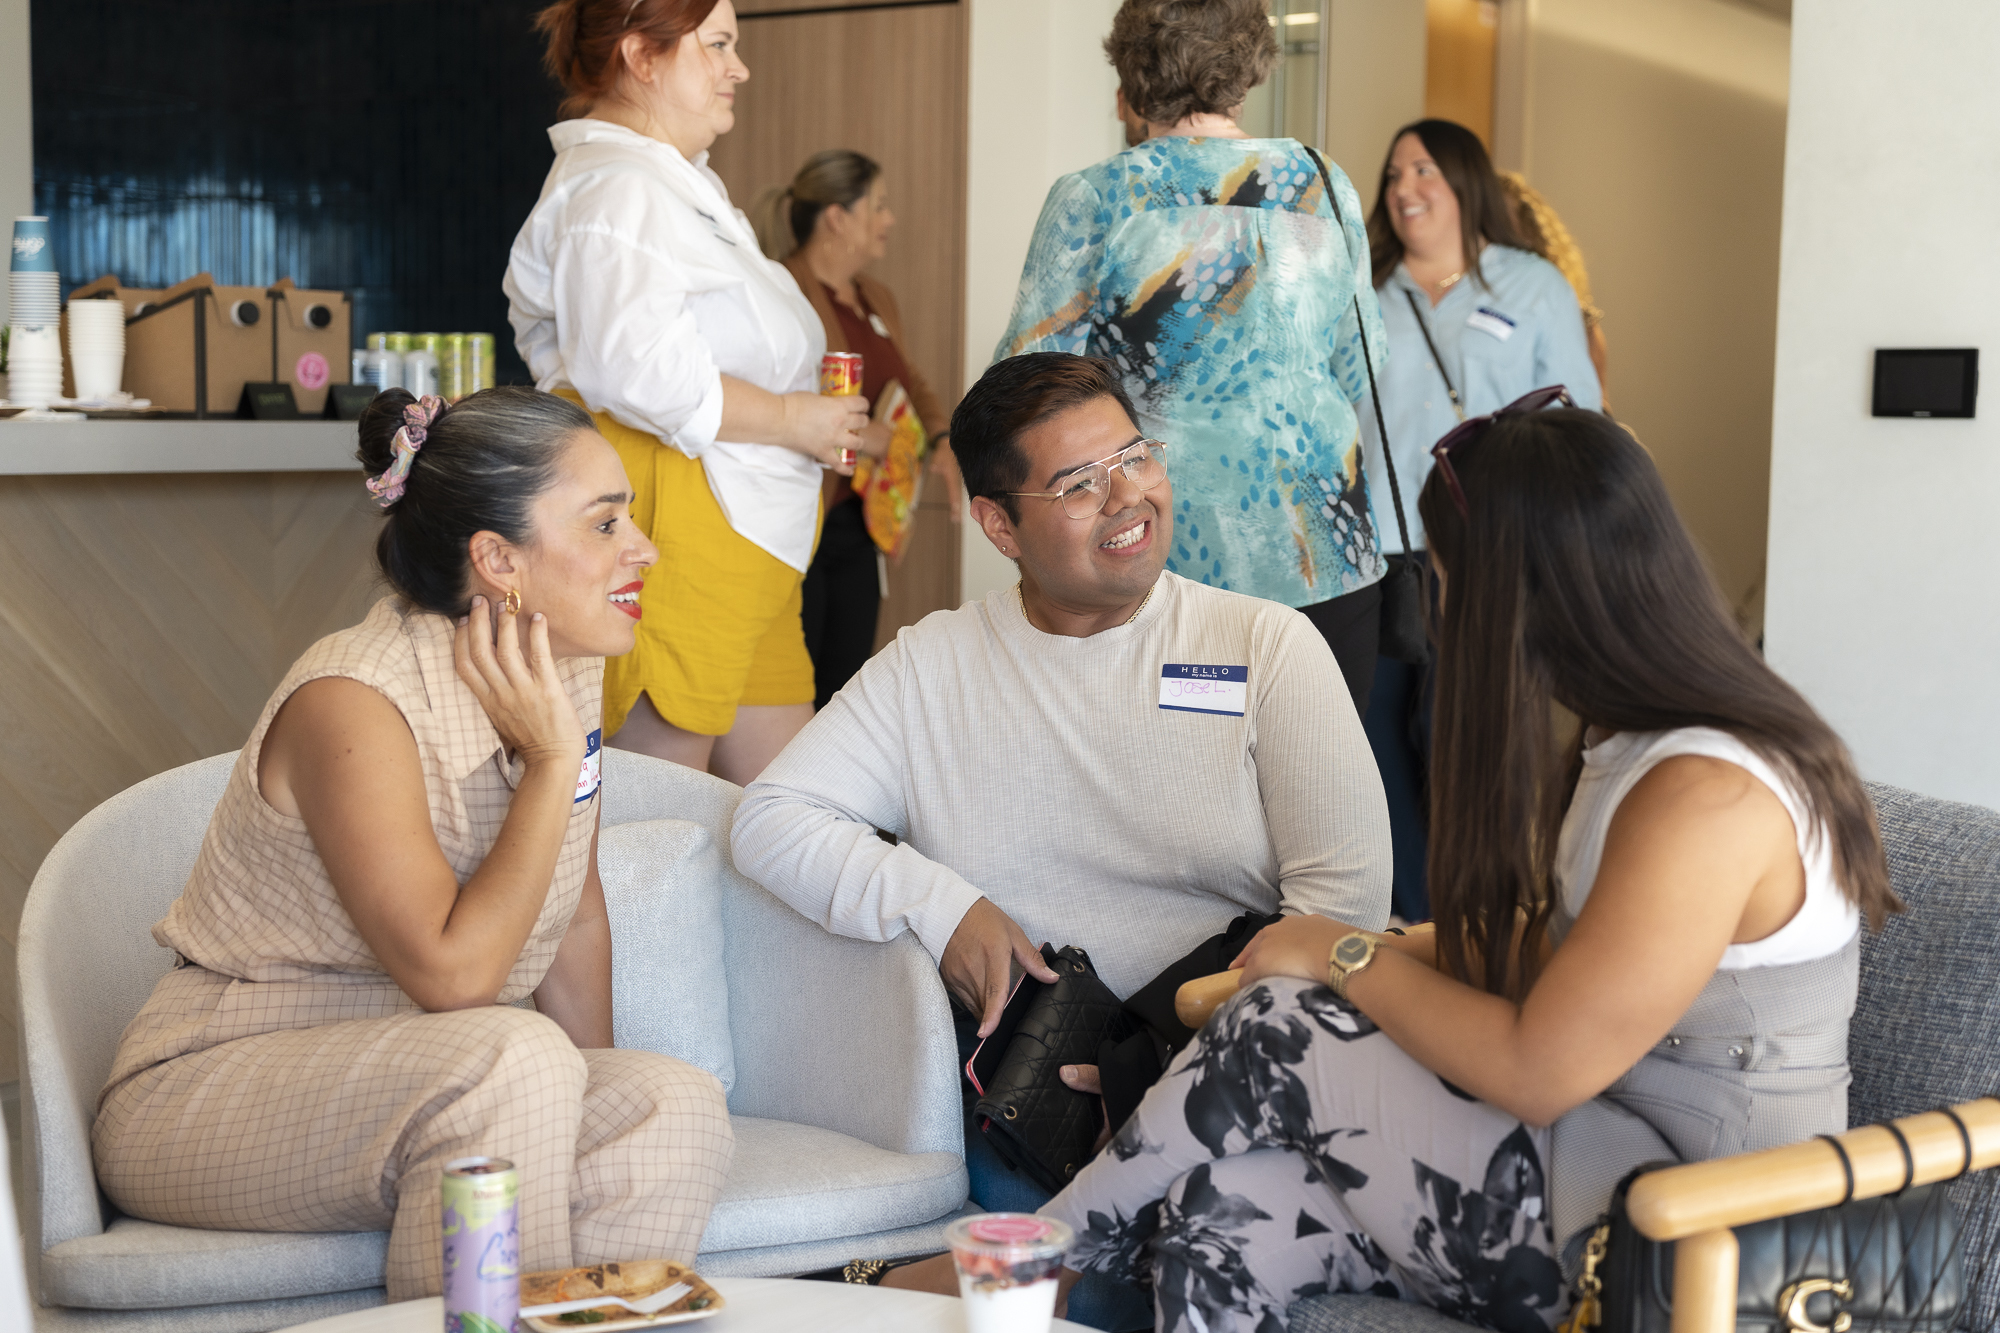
x: 840, y: 374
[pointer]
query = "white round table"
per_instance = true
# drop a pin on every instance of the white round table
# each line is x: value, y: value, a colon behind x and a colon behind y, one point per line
x: 754, y: 1305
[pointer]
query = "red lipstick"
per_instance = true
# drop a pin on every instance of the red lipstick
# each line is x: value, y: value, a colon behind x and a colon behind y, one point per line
x: 630, y: 608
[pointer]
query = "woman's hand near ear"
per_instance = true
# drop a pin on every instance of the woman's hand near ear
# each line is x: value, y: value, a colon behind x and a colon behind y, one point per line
x: 521, y: 691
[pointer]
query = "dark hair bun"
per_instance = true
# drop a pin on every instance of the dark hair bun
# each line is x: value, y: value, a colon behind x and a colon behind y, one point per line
x: 380, y: 421
x: 483, y: 463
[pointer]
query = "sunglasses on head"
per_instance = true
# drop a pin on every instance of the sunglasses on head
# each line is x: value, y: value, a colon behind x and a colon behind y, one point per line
x: 1465, y: 432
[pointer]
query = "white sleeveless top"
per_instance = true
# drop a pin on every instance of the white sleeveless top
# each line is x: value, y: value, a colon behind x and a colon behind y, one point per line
x: 1613, y: 766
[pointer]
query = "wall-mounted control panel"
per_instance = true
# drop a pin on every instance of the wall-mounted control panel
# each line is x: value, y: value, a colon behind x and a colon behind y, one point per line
x: 1926, y: 381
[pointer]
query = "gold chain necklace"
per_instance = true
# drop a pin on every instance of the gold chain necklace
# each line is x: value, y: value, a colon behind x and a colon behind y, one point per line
x: 1020, y: 591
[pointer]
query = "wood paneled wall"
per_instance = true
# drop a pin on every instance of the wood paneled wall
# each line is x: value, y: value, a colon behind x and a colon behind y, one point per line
x: 889, y: 82
x: 144, y: 622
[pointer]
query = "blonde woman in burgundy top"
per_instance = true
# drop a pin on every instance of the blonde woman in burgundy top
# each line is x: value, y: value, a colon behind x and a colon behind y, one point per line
x: 827, y: 227
x: 407, y: 847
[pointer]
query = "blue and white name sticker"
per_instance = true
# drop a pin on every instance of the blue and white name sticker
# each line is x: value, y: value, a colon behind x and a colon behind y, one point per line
x: 588, y: 780
x: 1187, y: 687
x: 1488, y: 320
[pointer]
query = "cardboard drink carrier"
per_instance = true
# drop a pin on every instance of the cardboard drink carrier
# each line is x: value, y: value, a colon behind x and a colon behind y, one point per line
x: 193, y: 347
x: 312, y: 334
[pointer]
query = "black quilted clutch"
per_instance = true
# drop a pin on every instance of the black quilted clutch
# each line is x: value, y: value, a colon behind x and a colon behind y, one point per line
x: 1891, y: 1263
x: 1033, y: 1121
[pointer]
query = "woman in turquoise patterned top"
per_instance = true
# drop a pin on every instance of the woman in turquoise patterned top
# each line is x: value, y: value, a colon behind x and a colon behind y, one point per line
x: 1210, y: 268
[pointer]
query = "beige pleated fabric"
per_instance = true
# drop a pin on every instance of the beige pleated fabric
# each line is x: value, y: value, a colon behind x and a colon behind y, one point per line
x: 278, y: 1080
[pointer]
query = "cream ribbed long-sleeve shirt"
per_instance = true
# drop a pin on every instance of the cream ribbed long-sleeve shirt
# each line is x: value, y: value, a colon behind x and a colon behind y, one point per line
x: 1042, y: 772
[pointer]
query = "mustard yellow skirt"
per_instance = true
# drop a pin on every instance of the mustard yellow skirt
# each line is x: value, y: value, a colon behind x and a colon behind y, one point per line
x: 719, y: 616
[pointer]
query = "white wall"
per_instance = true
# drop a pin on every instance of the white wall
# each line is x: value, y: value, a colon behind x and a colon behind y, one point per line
x: 1041, y: 105
x: 1657, y: 129
x: 17, y: 139
x: 1374, y: 83
x: 1884, y: 546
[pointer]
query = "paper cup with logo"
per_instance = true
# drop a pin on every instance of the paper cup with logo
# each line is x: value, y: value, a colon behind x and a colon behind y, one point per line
x: 1007, y: 1269
x: 34, y: 292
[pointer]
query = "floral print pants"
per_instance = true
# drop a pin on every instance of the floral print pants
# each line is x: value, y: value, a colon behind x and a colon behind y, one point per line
x: 1293, y: 1150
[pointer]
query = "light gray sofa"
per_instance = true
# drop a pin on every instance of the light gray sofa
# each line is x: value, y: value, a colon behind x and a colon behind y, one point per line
x: 838, y: 1056
x: 1926, y: 1031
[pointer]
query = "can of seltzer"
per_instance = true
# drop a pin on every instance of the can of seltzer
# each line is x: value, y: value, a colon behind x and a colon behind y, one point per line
x: 482, y: 1245
x: 396, y: 342
x: 454, y: 366
x: 840, y: 377
x: 377, y: 341
x: 426, y: 342
x: 480, y: 346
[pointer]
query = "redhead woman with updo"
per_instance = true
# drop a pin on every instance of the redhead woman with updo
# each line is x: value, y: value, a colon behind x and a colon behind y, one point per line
x: 406, y: 849
x: 638, y: 290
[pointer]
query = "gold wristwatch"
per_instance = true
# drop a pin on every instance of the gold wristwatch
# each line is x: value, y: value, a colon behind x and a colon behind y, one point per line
x: 1351, y: 954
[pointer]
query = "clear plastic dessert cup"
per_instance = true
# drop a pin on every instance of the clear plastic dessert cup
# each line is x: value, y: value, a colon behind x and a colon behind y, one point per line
x: 1007, y: 1269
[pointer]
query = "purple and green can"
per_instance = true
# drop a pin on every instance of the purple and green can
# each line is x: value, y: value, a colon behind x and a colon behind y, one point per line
x: 482, y: 1245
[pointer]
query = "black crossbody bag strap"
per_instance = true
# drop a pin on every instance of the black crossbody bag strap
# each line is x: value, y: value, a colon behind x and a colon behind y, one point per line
x: 1367, y: 359
x: 1424, y: 328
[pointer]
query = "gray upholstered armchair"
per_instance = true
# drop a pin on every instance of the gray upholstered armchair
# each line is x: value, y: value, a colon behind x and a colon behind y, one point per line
x: 839, y: 1058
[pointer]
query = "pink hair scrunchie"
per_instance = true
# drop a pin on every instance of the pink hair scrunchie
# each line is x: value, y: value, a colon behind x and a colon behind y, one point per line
x: 418, y: 418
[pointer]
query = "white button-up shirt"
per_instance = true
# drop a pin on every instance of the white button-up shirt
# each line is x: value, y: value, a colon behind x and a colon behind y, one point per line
x: 638, y: 284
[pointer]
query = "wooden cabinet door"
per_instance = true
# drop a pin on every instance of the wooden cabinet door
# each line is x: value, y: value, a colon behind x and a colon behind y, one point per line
x: 889, y: 82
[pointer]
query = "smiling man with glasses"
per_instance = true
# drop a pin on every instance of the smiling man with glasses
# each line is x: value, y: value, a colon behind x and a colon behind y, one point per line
x: 1103, y: 754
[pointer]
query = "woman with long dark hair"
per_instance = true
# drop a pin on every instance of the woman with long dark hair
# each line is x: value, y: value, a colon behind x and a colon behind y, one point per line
x: 1646, y: 945
x: 1474, y: 319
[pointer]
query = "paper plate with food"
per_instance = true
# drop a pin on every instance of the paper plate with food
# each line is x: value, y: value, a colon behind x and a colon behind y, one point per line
x: 608, y: 1298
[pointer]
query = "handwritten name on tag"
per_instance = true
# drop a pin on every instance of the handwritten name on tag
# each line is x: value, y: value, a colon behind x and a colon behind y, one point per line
x: 1187, y: 687
x: 591, y: 776
x: 1488, y: 320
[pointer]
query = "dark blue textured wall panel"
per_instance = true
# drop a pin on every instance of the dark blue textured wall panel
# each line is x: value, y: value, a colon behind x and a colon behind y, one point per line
x: 390, y: 148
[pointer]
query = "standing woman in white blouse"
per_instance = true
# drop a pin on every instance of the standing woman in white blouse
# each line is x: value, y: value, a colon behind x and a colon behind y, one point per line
x: 639, y: 290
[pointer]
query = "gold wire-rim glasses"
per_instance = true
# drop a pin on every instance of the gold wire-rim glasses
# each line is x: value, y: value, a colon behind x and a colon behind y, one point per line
x: 1091, y: 483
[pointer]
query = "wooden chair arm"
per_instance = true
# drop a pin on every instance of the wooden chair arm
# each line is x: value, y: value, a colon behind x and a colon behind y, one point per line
x: 1727, y: 1192
x: 1197, y: 999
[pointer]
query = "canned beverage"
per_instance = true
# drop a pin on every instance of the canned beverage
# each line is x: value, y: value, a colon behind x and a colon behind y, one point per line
x: 454, y: 356
x: 426, y: 342
x: 358, y: 362
x: 482, y: 1245
x: 381, y: 368
x: 420, y: 372
x: 377, y: 341
x: 840, y: 374
x: 480, y: 346
x: 396, y: 342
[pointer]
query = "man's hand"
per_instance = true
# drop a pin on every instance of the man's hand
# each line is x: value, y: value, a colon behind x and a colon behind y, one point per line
x: 1087, y: 1079
x: 978, y: 962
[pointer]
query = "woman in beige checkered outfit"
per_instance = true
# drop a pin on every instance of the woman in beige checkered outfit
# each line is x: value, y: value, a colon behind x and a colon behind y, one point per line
x: 406, y: 848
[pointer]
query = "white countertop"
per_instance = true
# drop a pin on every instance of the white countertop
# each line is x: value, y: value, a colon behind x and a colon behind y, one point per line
x: 40, y: 448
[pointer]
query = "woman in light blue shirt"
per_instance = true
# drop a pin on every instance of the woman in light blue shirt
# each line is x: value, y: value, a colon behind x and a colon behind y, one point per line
x: 1474, y: 320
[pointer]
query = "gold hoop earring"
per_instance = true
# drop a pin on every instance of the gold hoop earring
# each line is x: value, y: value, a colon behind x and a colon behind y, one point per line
x: 512, y: 606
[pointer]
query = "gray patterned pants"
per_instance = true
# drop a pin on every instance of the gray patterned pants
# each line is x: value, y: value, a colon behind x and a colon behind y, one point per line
x: 1292, y: 1150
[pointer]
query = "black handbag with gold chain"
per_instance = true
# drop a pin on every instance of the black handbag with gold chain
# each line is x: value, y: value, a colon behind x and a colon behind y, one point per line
x: 1891, y: 1263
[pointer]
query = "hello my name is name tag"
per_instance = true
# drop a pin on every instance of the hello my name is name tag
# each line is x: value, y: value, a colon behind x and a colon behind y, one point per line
x: 1187, y: 687
x: 1488, y: 320
x: 590, y: 777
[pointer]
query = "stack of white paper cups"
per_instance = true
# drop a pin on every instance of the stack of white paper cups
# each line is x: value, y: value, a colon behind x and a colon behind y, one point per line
x: 34, y: 352
x: 97, y: 349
